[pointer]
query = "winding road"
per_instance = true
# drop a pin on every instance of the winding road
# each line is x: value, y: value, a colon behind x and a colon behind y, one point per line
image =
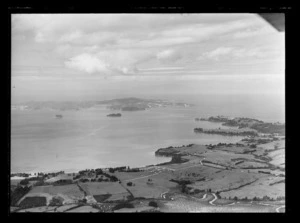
x: 215, y: 198
x: 277, y: 209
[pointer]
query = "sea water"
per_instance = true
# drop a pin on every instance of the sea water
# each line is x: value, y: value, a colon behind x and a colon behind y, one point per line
x: 87, y: 138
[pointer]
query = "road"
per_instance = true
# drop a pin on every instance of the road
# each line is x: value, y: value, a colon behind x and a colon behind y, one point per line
x: 277, y: 209
x: 163, y: 195
x: 215, y: 198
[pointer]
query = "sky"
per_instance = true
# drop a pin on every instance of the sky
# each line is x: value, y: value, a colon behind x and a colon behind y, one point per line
x: 102, y: 56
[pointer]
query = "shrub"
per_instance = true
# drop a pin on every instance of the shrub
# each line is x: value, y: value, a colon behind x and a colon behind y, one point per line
x: 24, y: 182
x: 153, y: 204
x: 56, y: 201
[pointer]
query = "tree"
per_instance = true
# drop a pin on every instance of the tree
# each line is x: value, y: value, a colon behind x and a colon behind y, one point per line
x: 153, y: 204
x: 24, y: 182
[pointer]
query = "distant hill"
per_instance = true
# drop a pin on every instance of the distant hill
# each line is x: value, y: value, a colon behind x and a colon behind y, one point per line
x: 124, y: 104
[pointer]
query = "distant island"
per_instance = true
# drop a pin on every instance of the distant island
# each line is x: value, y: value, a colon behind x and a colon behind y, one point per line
x: 123, y: 104
x: 114, y: 115
x: 246, y: 126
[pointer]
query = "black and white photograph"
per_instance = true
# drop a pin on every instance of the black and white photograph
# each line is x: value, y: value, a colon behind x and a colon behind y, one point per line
x: 147, y: 112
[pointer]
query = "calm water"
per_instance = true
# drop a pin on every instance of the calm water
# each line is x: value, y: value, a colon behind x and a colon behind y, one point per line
x: 89, y: 139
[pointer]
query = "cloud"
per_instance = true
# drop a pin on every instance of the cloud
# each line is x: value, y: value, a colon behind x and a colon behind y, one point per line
x: 168, y: 55
x: 221, y: 51
x: 241, y: 53
x: 251, y: 32
x: 127, y: 30
x: 233, y: 52
x: 87, y: 63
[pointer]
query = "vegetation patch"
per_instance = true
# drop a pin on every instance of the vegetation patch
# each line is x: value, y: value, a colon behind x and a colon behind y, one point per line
x: 153, y: 204
x: 56, y: 201
x: 102, y: 197
x: 17, y: 194
x: 123, y: 205
x: 30, y: 202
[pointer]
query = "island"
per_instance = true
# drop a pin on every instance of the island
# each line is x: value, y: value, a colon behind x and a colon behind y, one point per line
x: 114, y: 115
x: 123, y: 104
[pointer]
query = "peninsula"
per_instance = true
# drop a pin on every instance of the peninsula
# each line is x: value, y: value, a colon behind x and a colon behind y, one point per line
x: 245, y: 126
x: 193, y: 180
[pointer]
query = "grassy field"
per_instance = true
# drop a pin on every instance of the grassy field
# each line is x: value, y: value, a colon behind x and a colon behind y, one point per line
x: 160, y: 183
x: 130, y: 175
x: 273, y: 145
x: 278, y: 157
x: 86, y: 209
x: 195, y: 173
x: 188, y: 205
x: 224, y: 180
x: 225, y: 158
x: 259, y: 189
x: 98, y: 188
x: 249, y: 164
x: 70, y: 193
x: 38, y: 209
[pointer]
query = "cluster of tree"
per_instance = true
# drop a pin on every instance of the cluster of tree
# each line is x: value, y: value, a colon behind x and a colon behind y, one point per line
x: 129, y: 184
x: 227, y: 132
x: 265, y: 172
x: 124, y: 169
x: 84, y: 180
x: 264, y: 198
x: 153, y: 204
x: 88, y: 172
x: 111, y: 178
x: 217, y: 119
x: 76, y: 177
x: 183, y: 184
x: 56, y: 173
x: 24, y: 182
x: 239, y: 162
x: 56, y: 201
x: 174, y: 147
x: 277, y: 182
x: 63, y: 182
x: 121, y: 168
x: 17, y: 194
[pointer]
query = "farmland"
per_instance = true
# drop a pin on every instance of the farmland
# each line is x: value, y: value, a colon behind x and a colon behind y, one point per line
x: 219, y: 178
